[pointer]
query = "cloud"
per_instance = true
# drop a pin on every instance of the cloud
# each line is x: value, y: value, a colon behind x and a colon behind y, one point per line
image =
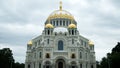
x: 22, y: 20
x: 19, y: 34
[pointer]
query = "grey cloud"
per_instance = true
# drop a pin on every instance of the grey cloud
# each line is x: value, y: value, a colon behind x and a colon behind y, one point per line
x: 93, y: 23
x: 116, y: 3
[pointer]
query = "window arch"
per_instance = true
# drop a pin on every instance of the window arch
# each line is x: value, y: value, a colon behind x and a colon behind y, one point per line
x: 72, y: 41
x: 60, y: 45
x: 92, y: 66
x: 47, y: 64
x: 80, y: 55
x: 48, y: 41
x: 40, y: 54
x: 57, y: 23
x: 48, y: 32
x: 47, y: 55
x: 39, y: 65
x: 29, y: 66
x: 60, y: 22
x: 72, y: 32
x: 73, y: 56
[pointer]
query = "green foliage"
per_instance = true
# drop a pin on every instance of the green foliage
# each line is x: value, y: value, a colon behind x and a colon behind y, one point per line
x: 97, y: 64
x: 18, y: 65
x: 113, y: 59
x: 7, y: 60
x: 104, y: 63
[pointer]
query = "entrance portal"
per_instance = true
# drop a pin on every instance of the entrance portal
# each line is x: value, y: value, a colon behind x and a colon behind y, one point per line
x: 60, y: 63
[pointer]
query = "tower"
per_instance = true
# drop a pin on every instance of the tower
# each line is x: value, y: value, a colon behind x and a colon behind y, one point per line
x: 60, y: 45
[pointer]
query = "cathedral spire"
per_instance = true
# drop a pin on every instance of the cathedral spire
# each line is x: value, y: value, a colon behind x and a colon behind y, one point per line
x: 60, y: 7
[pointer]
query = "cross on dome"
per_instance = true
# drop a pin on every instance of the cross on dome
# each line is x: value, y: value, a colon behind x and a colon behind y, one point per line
x: 60, y: 5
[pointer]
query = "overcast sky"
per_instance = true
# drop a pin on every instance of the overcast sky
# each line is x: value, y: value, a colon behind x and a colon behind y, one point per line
x: 22, y: 20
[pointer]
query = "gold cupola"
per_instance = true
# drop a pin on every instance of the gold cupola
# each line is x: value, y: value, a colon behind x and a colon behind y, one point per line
x: 49, y: 25
x: 29, y: 43
x: 60, y: 13
x: 91, y: 43
x: 72, y: 25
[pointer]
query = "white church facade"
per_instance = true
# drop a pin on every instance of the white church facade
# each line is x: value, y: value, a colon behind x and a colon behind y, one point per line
x: 60, y: 45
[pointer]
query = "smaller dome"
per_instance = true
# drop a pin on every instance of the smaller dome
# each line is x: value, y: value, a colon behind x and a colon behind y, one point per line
x: 91, y: 43
x: 72, y: 26
x: 29, y: 43
x: 49, y: 25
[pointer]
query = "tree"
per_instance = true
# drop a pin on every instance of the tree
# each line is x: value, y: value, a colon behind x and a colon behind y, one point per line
x: 97, y: 64
x: 18, y: 65
x: 104, y: 63
x: 115, y: 56
x: 6, y: 58
x: 113, y: 59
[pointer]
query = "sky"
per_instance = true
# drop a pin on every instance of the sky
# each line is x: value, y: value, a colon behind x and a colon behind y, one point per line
x: 23, y: 20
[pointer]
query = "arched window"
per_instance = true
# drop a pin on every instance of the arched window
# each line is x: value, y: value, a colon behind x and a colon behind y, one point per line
x: 80, y: 65
x: 40, y: 54
x: 47, y: 64
x: 63, y: 23
x: 53, y: 23
x: 80, y: 55
x: 92, y: 66
x: 66, y: 22
x: 48, y: 41
x: 86, y: 55
x: 39, y: 65
x: 72, y: 41
x: 28, y: 66
x: 48, y: 32
x: 47, y: 55
x: 72, y: 32
x: 73, y: 64
x: 60, y: 45
x: 56, y: 23
x: 73, y: 56
x: 60, y: 22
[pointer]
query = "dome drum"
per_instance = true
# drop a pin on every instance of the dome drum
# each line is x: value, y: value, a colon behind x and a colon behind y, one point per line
x: 61, y: 22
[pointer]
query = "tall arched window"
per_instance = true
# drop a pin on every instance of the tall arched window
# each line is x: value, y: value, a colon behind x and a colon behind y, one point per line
x: 81, y: 65
x: 29, y: 66
x: 40, y: 54
x: 73, y: 56
x: 72, y: 32
x: 47, y: 55
x: 92, y: 66
x: 72, y: 41
x: 80, y: 55
x: 60, y: 45
x: 39, y: 65
x: 48, y: 41
x: 48, y: 32
x: 56, y: 23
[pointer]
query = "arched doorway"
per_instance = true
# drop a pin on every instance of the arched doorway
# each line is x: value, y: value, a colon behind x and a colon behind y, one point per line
x: 60, y: 63
x: 47, y: 64
x: 73, y: 64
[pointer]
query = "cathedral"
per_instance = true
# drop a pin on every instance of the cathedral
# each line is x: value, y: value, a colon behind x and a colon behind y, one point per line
x: 60, y: 45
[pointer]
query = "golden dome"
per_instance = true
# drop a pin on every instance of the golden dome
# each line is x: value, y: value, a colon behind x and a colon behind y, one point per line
x: 60, y: 13
x: 91, y: 43
x: 29, y: 43
x: 72, y: 26
x: 49, y: 25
